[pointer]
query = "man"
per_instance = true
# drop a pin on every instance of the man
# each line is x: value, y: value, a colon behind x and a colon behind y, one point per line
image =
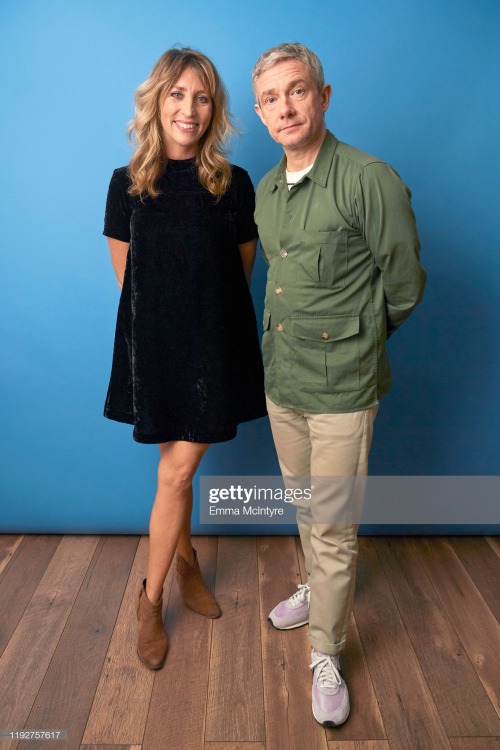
x: 339, y: 235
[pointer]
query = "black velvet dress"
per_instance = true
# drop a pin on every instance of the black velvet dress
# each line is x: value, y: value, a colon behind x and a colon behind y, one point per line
x: 186, y: 360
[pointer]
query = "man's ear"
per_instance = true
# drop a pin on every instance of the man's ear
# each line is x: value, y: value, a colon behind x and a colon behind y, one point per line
x: 325, y: 93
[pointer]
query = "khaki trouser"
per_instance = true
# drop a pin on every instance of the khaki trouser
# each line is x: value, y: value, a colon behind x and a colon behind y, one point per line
x: 327, y: 446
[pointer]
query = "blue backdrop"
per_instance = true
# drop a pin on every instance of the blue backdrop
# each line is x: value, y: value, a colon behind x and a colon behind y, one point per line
x: 414, y: 82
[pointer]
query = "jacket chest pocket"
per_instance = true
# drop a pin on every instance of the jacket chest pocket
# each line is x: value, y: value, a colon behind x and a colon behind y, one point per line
x: 322, y: 258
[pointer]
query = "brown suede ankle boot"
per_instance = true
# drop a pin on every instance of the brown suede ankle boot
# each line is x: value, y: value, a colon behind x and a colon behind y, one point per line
x: 193, y: 590
x: 152, y: 643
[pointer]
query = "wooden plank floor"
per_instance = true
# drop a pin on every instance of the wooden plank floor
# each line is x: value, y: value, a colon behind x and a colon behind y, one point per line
x: 422, y: 660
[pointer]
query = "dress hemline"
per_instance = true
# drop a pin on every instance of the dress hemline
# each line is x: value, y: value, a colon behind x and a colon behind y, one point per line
x: 189, y: 436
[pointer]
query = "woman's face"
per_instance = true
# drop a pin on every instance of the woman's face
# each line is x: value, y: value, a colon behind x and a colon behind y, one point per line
x: 185, y: 113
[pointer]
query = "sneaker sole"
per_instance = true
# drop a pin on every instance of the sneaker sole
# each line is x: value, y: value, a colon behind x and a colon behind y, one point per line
x: 288, y: 627
x: 329, y: 723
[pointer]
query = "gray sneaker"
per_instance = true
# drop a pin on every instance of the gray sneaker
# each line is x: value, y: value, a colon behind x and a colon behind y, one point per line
x: 330, y: 697
x: 293, y: 612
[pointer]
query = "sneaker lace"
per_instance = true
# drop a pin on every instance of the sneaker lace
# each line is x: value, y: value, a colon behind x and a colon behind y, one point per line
x: 328, y: 675
x: 300, y: 596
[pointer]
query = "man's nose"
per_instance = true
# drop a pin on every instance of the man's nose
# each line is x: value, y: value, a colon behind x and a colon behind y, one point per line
x: 285, y: 107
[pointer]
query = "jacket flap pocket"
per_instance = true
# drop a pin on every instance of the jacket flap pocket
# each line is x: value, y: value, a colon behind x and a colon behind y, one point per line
x: 315, y: 237
x: 329, y: 328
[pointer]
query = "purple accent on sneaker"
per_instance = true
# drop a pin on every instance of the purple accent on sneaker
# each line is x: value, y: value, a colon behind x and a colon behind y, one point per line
x: 330, y: 697
x: 292, y: 612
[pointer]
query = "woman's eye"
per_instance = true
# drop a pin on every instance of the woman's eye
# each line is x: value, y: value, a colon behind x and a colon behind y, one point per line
x: 176, y: 94
x: 203, y: 99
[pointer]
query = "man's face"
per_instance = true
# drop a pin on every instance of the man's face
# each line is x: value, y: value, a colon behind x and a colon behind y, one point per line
x: 291, y: 106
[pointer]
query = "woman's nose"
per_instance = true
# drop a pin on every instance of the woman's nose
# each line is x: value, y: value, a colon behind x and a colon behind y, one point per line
x: 188, y: 105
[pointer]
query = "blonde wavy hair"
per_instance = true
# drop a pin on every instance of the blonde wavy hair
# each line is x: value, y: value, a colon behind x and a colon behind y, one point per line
x: 145, y: 129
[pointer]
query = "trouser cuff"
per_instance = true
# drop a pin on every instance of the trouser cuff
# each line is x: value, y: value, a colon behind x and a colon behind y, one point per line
x: 327, y: 648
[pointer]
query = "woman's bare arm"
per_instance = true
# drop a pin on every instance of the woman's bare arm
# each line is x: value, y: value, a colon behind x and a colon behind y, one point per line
x: 247, y: 252
x: 118, y: 250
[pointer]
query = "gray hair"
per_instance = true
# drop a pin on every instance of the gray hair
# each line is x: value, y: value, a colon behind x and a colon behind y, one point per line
x: 289, y: 51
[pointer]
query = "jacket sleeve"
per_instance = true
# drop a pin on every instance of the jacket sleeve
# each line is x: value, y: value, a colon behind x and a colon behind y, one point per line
x: 385, y: 215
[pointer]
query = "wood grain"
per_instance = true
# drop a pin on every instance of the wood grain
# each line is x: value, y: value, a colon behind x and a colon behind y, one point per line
x: 8, y: 545
x: 423, y: 618
x: 19, y: 581
x: 28, y: 654
x: 66, y: 695
x: 474, y: 623
x: 483, y: 566
x: 475, y: 743
x: 235, y: 706
x: 494, y: 542
x: 460, y: 698
x: 358, y: 745
x: 178, y: 702
x: 410, y: 717
x: 121, y: 702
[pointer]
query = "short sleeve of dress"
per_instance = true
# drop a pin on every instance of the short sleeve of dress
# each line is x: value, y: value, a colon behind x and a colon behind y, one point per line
x: 118, y: 207
x: 246, y: 229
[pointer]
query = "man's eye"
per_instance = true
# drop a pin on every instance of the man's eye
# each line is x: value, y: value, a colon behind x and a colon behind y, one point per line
x: 270, y: 100
x: 298, y: 91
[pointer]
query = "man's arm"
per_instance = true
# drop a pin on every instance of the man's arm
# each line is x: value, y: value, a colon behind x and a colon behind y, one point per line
x: 388, y: 225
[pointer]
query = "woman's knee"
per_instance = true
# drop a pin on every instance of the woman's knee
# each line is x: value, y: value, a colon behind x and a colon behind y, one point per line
x: 177, y: 466
x: 177, y: 476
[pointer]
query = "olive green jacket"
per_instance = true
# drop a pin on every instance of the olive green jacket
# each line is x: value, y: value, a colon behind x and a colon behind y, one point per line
x: 344, y: 273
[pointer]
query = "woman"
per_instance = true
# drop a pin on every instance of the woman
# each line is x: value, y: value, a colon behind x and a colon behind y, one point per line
x: 186, y: 363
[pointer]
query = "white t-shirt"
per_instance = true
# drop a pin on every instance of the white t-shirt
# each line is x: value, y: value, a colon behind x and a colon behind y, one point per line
x: 293, y: 177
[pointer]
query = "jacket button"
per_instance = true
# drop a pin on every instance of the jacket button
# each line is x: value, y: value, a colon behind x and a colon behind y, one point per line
x: 279, y: 327
x: 278, y: 290
x: 325, y: 335
x: 283, y: 253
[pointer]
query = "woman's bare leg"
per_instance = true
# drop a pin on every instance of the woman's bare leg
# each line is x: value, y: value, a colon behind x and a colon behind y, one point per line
x: 185, y: 545
x: 170, y: 523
